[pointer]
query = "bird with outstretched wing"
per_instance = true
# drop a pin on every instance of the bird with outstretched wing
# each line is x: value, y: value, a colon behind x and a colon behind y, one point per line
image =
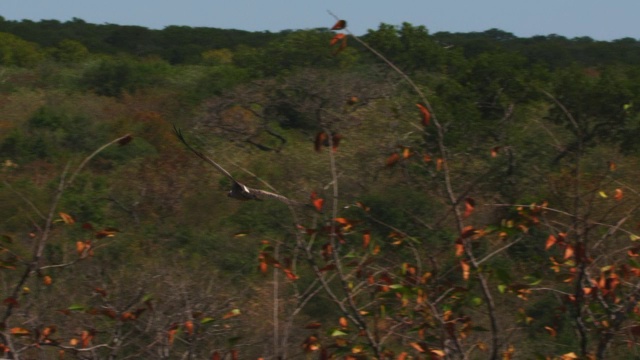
x: 238, y: 190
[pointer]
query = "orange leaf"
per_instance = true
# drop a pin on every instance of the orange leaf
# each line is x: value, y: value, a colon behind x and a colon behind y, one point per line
x: 550, y: 241
x: 18, y: 331
x: 336, y: 38
x: 366, y: 238
x: 402, y: 356
x: 426, y: 115
x: 568, y: 252
x: 393, y: 159
x: 263, y: 267
x: 230, y: 314
x: 80, y: 245
x: 290, y: 275
x: 188, y: 326
x: 406, y: 153
x: 551, y: 330
x: 343, y: 322
x: 417, y: 347
x: 465, y: 269
x: 67, y: 218
x: 459, y: 248
x: 343, y: 45
x: 86, y: 338
x: 439, y: 163
x: 47, y: 280
x: 436, y: 352
x: 618, y: 195
x: 469, y: 205
x: 341, y: 24
x: 611, y: 165
x: 317, y: 203
x: 467, y: 231
x: 494, y: 151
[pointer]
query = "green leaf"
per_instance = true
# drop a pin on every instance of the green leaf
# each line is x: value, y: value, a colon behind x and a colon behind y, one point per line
x: 207, y: 320
x: 502, y: 288
x: 476, y: 301
x: 76, y: 308
x: 532, y: 280
x: 337, y: 332
x: 634, y: 237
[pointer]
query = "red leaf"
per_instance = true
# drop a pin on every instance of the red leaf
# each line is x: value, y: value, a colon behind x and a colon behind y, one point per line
x: 313, y: 325
x: 215, y: 356
x: 618, y: 196
x: 11, y: 301
x: 290, y: 275
x: 321, y: 139
x: 341, y: 24
x: 336, y: 38
x: 327, y: 268
x: 392, y: 160
x: 335, y: 141
x: 426, y: 115
x: 318, y: 203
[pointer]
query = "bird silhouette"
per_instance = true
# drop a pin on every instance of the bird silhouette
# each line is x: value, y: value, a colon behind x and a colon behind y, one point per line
x: 238, y: 190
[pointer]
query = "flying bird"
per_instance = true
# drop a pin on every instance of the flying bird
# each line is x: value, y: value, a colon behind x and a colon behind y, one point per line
x: 238, y: 190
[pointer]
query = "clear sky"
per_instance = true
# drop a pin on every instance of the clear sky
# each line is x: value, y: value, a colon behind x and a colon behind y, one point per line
x: 599, y: 19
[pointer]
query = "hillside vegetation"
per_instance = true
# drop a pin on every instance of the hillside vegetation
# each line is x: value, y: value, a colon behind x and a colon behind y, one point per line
x: 463, y: 196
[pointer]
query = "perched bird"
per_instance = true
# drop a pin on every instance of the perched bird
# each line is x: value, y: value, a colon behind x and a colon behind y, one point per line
x: 238, y: 190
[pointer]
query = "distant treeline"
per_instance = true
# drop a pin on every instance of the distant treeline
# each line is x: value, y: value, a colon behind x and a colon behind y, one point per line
x: 184, y: 44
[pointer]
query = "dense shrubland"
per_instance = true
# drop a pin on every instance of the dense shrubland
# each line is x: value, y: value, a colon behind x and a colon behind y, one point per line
x: 471, y: 195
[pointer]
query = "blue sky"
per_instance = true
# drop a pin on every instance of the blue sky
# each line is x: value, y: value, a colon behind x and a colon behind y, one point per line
x: 599, y: 19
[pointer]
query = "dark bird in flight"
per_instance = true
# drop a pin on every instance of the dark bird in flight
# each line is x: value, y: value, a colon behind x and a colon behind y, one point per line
x: 238, y: 190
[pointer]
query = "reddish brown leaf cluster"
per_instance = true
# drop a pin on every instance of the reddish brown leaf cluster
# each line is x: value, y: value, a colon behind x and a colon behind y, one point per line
x: 265, y: 259
x: 322, y: 139
x: 426, y: 114
x: 339, y: 38
x: 317, y: 201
